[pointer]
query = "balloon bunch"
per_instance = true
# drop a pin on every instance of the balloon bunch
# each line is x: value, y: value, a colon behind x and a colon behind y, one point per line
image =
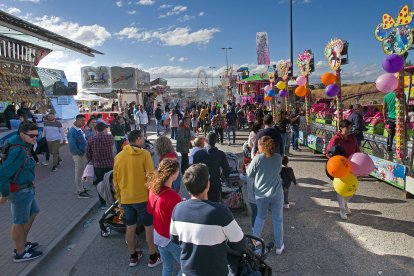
x: 346, y: 170
x: 301, y: 90
x: 332, y: 89
x: 388, y: 82
x: 269, y: 93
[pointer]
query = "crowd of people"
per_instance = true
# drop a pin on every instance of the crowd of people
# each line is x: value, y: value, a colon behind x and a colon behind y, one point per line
x: 149, y: 193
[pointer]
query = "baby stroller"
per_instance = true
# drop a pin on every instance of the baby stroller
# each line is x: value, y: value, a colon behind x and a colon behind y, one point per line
x: 113, y: 217
x: 232, y: 195
x: 252, y: 261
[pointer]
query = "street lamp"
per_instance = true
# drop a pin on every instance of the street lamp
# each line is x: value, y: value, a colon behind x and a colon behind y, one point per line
x: 227, y: 60
x: 212, y: 73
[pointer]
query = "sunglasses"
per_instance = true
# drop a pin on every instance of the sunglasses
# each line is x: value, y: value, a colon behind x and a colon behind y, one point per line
x: 32, y: 135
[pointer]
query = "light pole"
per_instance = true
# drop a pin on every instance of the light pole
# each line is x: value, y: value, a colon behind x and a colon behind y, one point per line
x: 227, y: 60
x: 212, y: 73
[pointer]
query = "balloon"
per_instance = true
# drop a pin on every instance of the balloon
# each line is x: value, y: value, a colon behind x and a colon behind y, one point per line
x: 346, y: 186
x: 393, y: 63
x: 338, y: 166
x: 281, y: 85
x: 301, y: 91
x: 328, y: 78
x: 301, y: 80
x: 283, y: 93
x: 332, y: 90
x: 271, y: 93
x: 267, y: 88
x: 267, y: 98
x: 386, y: 83
x: 361, y: 164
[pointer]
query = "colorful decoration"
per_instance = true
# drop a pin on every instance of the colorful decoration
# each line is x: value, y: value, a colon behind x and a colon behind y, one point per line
x: 271, y: 93
x: 281, y: 85
x: 301, y: 80
x: 386, y: 83
x: 271, y: 73
x: 283, y: 93
x: 396, y: 34
x: 332, y: 90
x: 393, y: 63
x: 303, y: 63
x: 361, y: 164
x: 346, y: 186
x: 328, y: 78
x: 301, y: 91
x: 267, y: 98
x: 333, y: 52
x: 338, y: 166
x: 262, y: 48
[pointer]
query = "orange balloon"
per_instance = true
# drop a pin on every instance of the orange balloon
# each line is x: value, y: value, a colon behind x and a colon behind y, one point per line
x: 267, y: 98
x: 338, y: 166
x: 301, y: 91
x: 328, y: 78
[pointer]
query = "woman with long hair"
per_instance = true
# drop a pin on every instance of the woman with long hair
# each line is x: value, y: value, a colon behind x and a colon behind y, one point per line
x: 165, y: 149
x: 90, y: 130
x: 161, y: 202
x: 265, y: 168
x: 343, y: 143
x: 252, y: 136
x: 217, y: 123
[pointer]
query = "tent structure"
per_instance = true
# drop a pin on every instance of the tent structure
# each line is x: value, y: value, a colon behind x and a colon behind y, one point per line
x: 90, y: 97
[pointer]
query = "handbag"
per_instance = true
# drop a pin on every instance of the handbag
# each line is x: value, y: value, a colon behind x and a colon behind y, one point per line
x: 88, y: 172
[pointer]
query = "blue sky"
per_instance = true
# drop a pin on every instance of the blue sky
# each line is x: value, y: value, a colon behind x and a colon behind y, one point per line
x: 176, y: 39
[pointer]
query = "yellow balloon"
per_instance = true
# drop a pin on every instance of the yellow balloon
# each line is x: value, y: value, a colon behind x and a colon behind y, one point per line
x: 346, y: 186
x: 281, y: 85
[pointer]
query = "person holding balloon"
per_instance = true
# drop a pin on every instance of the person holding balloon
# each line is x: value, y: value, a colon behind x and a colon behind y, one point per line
x: 339, y: 167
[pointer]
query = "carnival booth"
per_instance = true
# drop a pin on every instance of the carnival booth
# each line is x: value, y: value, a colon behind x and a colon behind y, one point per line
x: 251, y: 89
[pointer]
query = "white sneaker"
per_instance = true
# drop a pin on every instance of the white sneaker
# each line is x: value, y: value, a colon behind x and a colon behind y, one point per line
x: 280, y: 250
x: 342, y: 214
x: 286, y: 206
x: 347, y: 210
x: 45, y: 163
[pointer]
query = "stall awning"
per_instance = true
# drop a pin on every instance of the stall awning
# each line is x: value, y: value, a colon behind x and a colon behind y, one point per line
x: 255, y: 77
x: 96, y: 91
x: 90, y: 98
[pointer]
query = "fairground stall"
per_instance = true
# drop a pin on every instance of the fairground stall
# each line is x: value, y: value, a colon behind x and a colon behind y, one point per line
x: 251, y: 89
x: 22, y: 46
x: 392, y: 165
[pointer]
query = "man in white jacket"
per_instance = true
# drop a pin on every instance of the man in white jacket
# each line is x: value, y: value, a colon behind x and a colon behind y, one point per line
x: 141, y: 119
x: 53, y: 131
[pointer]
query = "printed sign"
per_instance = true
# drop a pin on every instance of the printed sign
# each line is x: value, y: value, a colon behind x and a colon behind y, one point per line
x: 333, y: 52
x: 49, y: 77
x: 389, y: 172
x: 96, y: 77
x: 316, y: 143
x: 123, y: 78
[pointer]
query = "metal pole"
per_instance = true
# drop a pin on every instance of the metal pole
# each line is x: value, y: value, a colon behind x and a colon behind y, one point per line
x: 227, y: 62
x: 212, y: 74
x: 291, y: 38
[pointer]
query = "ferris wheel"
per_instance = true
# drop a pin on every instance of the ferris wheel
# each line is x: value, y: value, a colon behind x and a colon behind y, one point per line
x: 202, y: 82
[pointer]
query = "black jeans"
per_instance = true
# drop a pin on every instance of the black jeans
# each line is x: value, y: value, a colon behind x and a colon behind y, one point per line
x: 286, y: 194
x: 391, y: 133
x: 184, y: 162
x: 219, y: 132
x: 99, y: 175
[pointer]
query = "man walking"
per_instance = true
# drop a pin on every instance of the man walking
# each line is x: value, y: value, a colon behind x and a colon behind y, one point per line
x: 216, y: 162
x: 99, y: 152
x: 158, y: 118
x: 17, y: 174
x: 231, y: 119
x: 53, y: 132
x: 204, y: 229
x: 132, y: 165
x: 272, y: 132
x: 142, y: 118
x: 77, y: 147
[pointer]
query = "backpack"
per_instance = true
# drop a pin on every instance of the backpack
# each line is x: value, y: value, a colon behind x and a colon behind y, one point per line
x: 4, y: 152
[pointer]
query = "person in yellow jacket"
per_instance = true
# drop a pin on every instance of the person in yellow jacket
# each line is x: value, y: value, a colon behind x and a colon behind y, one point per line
x: 203, y: 114
x: 131, y: 166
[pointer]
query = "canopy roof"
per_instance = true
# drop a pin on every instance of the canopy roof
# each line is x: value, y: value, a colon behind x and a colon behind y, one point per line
x: 255, y: 77
x: 90, y: 98
x: 16, y: 28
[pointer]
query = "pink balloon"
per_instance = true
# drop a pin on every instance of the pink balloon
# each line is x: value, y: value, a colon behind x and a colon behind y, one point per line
x: 386, y: 83
x: 301, y: 80
x: 267, y: 88
x: 361, y: 164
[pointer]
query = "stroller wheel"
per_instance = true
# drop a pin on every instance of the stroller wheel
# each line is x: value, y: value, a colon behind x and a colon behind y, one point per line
x: 106, y: 233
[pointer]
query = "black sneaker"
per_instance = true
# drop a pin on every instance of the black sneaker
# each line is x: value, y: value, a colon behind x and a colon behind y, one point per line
x: 84, y: 195
x: 54, y: 169
x: 27, y: 255
x: 60, y: 162
x: 28, y: 246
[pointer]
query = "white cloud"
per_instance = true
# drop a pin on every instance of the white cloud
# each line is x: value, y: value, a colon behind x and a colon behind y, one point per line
x: 182, y: 59
x: 119, y: 4
x: 32, y: 1
x: 319, y: 63
x: 164, y: 6
x: 90, y: 35
x: 131, y: 12
x: 175, y: 11
x: 170, y: 37
x: 12, y: 10
x: 186, y: 18
x: 201, y: 14
x: 171, y: 59
x: 145, y: 2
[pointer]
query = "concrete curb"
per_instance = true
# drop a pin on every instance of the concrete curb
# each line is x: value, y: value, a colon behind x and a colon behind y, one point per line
x: 59, y: 240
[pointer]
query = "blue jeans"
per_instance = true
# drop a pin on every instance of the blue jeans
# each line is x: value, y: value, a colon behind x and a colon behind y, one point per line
x: 233, y: 129
x: 168, y: 254
x: 276, y: 205
x: 23, y: 205
x: 174, y: 132
x: 286, y: 142
x: 295, y: 136
x: 158, y: 124
x: 254, y: 212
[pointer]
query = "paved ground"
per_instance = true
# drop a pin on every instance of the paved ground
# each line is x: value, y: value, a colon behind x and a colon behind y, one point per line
x: 378, y: 238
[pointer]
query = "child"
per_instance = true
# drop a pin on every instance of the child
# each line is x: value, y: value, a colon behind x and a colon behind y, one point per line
x: 250, y: 196
x: 194, y: 123
x: 288, y: 177
x: 198, y: 145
